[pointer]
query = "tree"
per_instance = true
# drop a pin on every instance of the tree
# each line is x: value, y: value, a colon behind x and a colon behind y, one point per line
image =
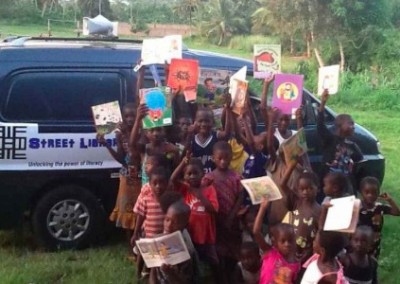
x: 92, y: 8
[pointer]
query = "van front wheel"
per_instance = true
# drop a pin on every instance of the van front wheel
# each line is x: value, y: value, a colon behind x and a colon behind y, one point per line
x: 68, y: 217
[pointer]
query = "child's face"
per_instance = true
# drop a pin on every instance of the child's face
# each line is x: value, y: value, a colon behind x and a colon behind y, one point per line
x: 150, y: 164
x: 222, y: 159
x: 283, y: 122
x: 174, y: 222
x: 129, y: 116
x: 156, y: 135
x: 250, y: 260
x: 360, y: 242
x: 204, y: 121
x: 284, y: 242
x: 329, y: 188
x: 158, y: 184
x: 193, y: 175
x: 306, y: 189
x: 369, y: 193
x: 183, y: 124
x: 347, y: 128
x: 209, y: 85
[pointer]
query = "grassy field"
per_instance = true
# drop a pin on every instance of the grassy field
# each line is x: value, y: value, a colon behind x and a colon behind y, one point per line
x: 22, y: 262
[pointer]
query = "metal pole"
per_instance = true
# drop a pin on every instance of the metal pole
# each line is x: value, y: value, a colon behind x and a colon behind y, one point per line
x: 99, y: 7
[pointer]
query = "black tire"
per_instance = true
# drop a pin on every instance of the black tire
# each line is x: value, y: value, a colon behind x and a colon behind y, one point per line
x: 72, y: 210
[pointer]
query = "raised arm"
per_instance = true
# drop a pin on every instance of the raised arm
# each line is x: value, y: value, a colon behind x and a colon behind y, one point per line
x: 257, y: 229
x: 264, y: 96
x: 322, y: 130
x: 299, y: 117
x: 226, y: 132
x: 395, y: 210
x: 270, y: 133
x: 118, y: 155
x: 134, y: 137
x: 179, y: 169
x: 249, y: 139
x: 139, y: 84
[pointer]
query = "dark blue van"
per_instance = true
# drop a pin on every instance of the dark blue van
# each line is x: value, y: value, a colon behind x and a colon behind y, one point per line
x: 51, y: 167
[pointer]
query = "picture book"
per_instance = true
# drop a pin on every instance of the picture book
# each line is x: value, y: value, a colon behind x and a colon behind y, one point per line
x: 211, y: 85
x: 161, y: 50
x: 183, y: 75
x: 158, y: 102
x: 106, y: 117
x: 343, y: 214
x: 261, y: 187
x: 168, y: 249
x: 295, y: 146
x: 239, y: 75
x: 267, y: 60
x: 239, y: 96
x: 288, y: 93
x: 328, y: 78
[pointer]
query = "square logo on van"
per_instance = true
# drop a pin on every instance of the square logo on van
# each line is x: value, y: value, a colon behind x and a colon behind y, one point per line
x: 13, y: 142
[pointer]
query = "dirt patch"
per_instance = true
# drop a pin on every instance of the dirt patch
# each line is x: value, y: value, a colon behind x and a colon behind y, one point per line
x: 157, y: 30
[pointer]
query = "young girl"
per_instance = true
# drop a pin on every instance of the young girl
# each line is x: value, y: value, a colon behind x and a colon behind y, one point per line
x: 323, y: 266
x: 129, y: 181
x: 204, y: 205
x: 156, y: 145
x: 229, y: 194
x: 304, y: 211
x: 372, y: 211
x: 359, y: 266
x: 201, y: 144
x: 279, y: 261
x: 249, y: 265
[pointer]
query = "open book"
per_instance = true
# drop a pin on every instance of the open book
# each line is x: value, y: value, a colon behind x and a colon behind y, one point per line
x: 261, y: 187
x: 169, y: 249
x: 295, y: 146
x: 343, y: 215
x: 161, y: 50
x: 106, y: 117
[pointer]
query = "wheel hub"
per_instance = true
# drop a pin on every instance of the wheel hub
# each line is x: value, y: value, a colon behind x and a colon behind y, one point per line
x: 68, y: 220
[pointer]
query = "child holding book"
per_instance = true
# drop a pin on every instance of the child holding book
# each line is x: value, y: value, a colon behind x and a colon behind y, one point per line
x: 339, y: 153
x: 176, y: 219
x: 359, y: 266
x: 279, y: 261
x: 304, y: 211
x: 372, y: 211
x: 229, y: 195
x: 203, y: 204
x: 156, y: 145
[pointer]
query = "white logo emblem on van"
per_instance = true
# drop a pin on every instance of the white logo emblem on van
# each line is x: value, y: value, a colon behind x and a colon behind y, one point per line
x: 13, y: 142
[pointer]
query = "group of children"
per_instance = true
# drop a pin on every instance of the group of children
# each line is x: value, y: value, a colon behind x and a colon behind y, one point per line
x: 187, y: 178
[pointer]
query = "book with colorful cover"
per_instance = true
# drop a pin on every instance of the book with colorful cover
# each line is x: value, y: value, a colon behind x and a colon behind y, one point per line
x: 211, y: 85
x: 295, y: 146
x: 261, y: 187
x: 328, y: 78
x: 183, y: 75
x: 239, y: 75
x: 161, y: 50
x: 343, y: 215
x: 106, y: 117
x: 288, y: 93
x: 267, y: 60
x: 168, y: 249
x: 239, y: 96
x: 158, y: 102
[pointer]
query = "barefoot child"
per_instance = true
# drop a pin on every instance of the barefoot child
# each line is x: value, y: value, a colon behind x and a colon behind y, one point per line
x: 279, y: 261
x: 359, y: 266
x: 372, y: 211
x: 203, y: 205
x: 176, y: 219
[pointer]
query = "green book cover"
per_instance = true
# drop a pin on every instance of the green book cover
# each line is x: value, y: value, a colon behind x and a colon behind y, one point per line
x: 158, y: 102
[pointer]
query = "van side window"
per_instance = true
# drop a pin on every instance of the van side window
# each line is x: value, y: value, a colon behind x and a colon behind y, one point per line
x: 60, y: 96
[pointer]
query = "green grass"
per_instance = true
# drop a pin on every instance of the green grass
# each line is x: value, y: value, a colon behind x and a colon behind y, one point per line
x: 21, y: 262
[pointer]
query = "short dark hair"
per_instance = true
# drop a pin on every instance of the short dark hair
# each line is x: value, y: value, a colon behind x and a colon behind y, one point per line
x: 207, y: 80
x: 222, y: 146
x: 250, y: 246
x: 366, y: 230
x: 280, y: 228
x: 332, y: 242
x: 205, y: 109
x: 339, y: 180
x: 370, y: 181
x: 181, y: 209
x: 342, y: 118
x: 160, y: 160
x: 195, y: 162
x: 169, y: 198
x: 311, y: 176
x: 159, y: 171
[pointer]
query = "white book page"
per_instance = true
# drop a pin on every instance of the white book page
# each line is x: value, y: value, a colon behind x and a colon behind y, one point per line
x: 339, y: 216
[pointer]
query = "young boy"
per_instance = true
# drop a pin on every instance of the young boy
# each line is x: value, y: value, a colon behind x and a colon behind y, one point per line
x: 176, y: 219
x: 339, y: 153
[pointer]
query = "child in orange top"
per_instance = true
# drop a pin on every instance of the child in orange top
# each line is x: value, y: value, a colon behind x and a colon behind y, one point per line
x: 204, y: 205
